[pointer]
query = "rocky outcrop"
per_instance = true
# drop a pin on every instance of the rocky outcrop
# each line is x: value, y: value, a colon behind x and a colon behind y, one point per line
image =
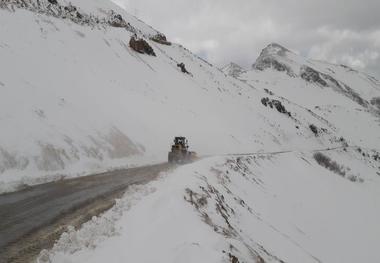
x: 270, y: 62
x: 116, y: 20
x: 141, y: 46
x: 318, y: 131
x: 314, y: 129
x: 353, y: 95
x: 161, y: 39
x: 69, y: 11
x: 275, y: 104
x: 312, y: 76
x: 53, y: 8
x: 183, y: 68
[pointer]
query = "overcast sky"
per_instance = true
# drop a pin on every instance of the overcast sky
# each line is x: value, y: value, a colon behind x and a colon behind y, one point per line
x: 339, y: 31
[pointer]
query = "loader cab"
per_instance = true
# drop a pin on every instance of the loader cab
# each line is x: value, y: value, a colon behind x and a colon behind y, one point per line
x: 180, y: 151
x: 180, y: 143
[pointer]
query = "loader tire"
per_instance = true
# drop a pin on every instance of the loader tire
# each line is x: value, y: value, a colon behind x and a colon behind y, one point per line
x: 170, y: 157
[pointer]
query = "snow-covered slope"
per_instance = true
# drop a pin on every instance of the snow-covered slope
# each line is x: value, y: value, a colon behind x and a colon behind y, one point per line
x: 75, y: 98
x: 263, y: 208
x: 343, y: 96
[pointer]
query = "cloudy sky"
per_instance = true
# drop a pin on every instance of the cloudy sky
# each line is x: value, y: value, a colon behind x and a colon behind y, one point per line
x: 339, y: 31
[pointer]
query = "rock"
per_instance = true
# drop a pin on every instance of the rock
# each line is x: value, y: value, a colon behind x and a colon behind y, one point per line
x: 70, y: 8
x: 233, y: 258
x: 265, y: 101
x: 270, y: 62
x: 314, y: 129
x: 183, y: 68
x: 79, y: 15
x: 275, y: 104
x: 278, y: 105
x: 71, y: 12
x: 269, y: 92
x: 353, y: 95
x: 116, y: 20
x: 141, y: 46
x: 313, y: 76
x: 161, y: 39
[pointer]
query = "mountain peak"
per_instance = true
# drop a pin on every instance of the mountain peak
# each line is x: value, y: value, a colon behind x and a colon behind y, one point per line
x: 233, y: 69
x: 274, y: 56
x: 274, y: 49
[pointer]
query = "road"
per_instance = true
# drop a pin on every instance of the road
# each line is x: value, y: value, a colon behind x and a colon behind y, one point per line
x: 32, y: 219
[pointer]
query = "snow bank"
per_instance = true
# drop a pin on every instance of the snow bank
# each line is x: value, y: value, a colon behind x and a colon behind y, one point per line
x: 263, y: 208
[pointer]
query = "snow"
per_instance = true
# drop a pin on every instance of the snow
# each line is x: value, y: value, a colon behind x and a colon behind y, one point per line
x: 76, y: 100
x: 334, y: 105
x: 272, y: 207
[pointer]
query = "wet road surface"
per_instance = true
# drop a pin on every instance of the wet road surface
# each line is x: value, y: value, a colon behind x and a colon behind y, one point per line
x: 29, y: 218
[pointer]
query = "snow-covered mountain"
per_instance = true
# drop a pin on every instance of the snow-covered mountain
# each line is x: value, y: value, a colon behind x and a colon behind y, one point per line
x: 341, y: 95
x: 77, y: 99
x: 233, y: 69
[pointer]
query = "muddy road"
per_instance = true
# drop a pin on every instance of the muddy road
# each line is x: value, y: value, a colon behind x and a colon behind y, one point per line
x: 32, y: 219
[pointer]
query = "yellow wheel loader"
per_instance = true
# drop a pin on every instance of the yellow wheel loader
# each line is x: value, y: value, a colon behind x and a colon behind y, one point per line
x: 180, y: 151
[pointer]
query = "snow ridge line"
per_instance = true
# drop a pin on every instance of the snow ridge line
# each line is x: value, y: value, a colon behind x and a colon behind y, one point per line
x: 69, y: 12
